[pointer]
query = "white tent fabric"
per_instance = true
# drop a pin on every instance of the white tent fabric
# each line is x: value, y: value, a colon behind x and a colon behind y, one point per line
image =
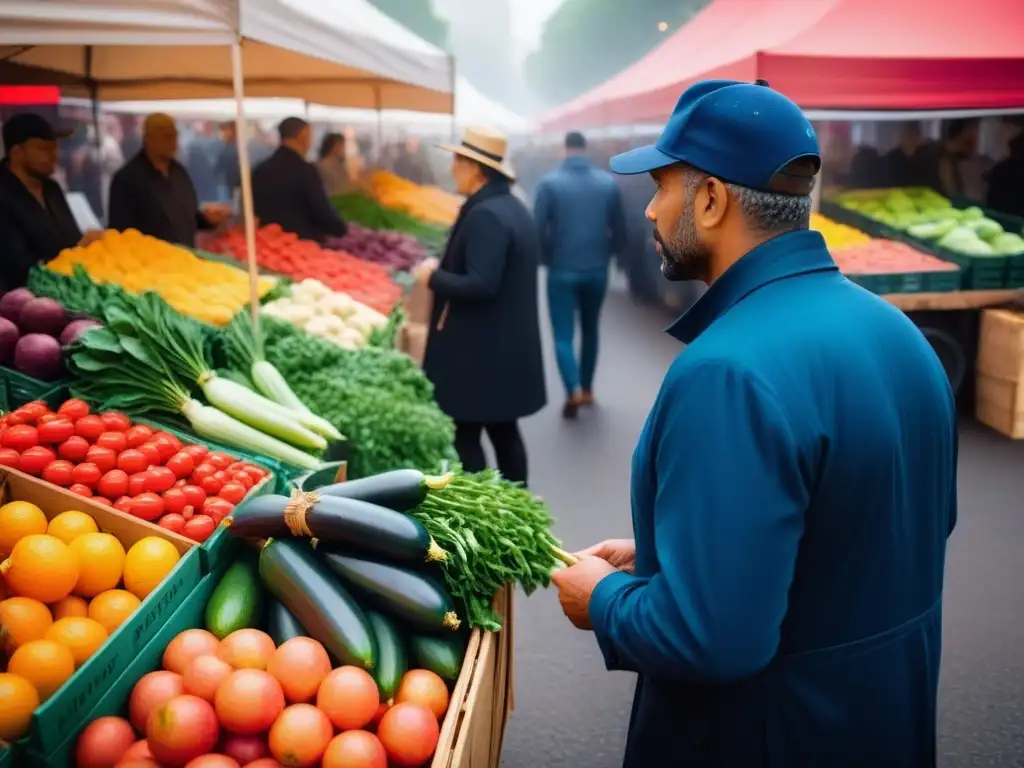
x: 336, y: 52
x: 471, y: 108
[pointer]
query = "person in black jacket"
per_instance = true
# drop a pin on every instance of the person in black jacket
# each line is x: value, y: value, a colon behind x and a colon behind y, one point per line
x: 288, y: 191
x: 36, y: 223
x: 1006, y: 181
x: 483, y: 349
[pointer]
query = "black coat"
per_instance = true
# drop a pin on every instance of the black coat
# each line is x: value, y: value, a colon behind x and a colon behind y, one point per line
x: 484, y: 350
x: 286, y: 190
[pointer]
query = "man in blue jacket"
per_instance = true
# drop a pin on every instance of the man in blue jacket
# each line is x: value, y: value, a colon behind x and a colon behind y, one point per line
x: 579, y: 217
x: 795, y: 483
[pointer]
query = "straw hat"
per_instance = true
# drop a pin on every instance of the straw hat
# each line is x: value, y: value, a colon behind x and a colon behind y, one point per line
x: 484, y: 145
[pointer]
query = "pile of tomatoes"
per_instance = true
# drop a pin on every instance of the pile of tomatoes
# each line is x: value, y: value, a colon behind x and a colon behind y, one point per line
x: 146, y: 473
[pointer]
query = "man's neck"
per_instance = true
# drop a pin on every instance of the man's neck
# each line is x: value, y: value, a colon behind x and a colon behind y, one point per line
x: 290, y: 145
x: 32, y: 183
x: 161, y: 164
x: 476, y: 186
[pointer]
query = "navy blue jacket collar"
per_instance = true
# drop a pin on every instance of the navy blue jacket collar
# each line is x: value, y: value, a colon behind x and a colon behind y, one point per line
x: 794, y: 253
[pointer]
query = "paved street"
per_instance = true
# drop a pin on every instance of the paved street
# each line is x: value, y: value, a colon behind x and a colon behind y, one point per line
x: 570, y: 712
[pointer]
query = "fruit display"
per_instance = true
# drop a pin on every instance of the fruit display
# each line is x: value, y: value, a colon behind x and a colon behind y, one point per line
x: 360, y: 208
x: 132, y: 467
x: 427, y: 203
x: 205, y: 290
x: 837, y: 235
x: 331, y: 315
x: 396, y: 251
x: 67, y: 587
x: 32, y: 331
x: 284, y: 253
x: 882, y: 257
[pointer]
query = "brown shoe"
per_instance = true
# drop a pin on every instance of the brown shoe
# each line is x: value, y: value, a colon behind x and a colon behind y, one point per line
x: 586, y: 397
x: 571, y: 407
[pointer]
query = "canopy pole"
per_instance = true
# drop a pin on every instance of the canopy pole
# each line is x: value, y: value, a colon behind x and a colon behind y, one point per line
x: 248, y: 217
x: 305, y: 108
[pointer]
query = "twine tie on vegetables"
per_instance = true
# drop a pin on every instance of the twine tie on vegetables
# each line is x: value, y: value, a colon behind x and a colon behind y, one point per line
x: 295, y: 512
x: 435, y: 554
x: 451, y: 621
x: 438, y: 482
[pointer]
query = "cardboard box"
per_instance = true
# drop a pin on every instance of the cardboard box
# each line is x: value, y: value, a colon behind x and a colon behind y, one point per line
x: 1000, y: 404
x: 419, y: 303
x: 999, y: 395
x: 67, y: 709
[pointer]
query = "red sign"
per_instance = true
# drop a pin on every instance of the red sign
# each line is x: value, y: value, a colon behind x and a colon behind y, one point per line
x: 12, y: 95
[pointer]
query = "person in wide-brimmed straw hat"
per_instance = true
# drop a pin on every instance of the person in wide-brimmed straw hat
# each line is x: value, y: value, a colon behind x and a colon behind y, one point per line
x: 483, y: 350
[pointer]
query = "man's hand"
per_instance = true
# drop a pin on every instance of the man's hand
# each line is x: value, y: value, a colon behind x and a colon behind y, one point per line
x: 91, y: 237
x: 575, y: 586
x: 618, y: 552
x: 423, y: 272
x: 216, y: 213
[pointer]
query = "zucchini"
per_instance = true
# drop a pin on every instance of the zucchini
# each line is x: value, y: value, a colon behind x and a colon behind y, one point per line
x: 442, y: 655
x: 376, y: 529
x: 281, y: 625
x: 392, y: 660
x: 418, y: 600
x: 235, y: 602
x: 399, y: 489
x: 291, y: 573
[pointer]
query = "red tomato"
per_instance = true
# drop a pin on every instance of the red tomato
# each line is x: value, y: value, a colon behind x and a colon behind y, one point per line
x: 115, y: 441
x: 197, y: 452
x: 132, y: 461
x: 89, y: 427
x: 20, y: 437
x: 101, y: 500
x: 104, y: 742
x: 199, y: 527
x: 355, y: 749
x: 152, y: 454
x: 174, y: 500
x: 235, y: 466
x: 81, y: 490
x: 244, y: 479
x: 104, y: 458
x: 188, y: 511
x: 115, y: 422
x: 217, y: 508
x: 256, y: 470
x: 221, y: 475
x: 58, y: 472
x: 202, y: 472
x: 232, y: 492
x: 74, y: 409
x: 136, y: 483
x: 165, y: 446
x: 180, y: 482
x: 46, y: 418
x: 124, y: 504
x: 168, y: 436
x: 409, y: 733
x: 159, y: 479
x: 113, y: 484
x: 13, y: 419
x: 219, y: 460
x: 74, y: 448
x: 147, y: 506
x: 181, y: 464
x: 34, y: 459
x: 86, y: 474
x: 35, y: 410
x: 138, y: 435
x: 172, y: 522
x: 211, y: 485
x: 56, y: 431
x: 9, y: 458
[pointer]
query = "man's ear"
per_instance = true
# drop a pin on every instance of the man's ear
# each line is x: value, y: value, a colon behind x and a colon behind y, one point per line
x: 712, y: 203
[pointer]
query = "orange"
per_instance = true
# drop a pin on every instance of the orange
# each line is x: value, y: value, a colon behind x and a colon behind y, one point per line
x: 18, y: 700
x: 22, y: 620
x: 100, y: 563
x: 18, y: 520
x: 82, y: 637
x: 68, y: 526
x: 41, y: 567
x: 148, y: 561
x: 112, y: 607
x: 69, y: 606
x: 43, y: 663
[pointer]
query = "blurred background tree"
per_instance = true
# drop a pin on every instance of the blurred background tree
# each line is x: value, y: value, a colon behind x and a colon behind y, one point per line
x: 585, y: 42
x: 419, y: 17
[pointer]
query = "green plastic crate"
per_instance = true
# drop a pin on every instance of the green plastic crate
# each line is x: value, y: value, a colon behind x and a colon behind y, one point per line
x: 67, y: 710
x: 113, y: 699
x: 939, y: 281
x: 23, y: 389
x: 214, y: 551
x: 7, y: 757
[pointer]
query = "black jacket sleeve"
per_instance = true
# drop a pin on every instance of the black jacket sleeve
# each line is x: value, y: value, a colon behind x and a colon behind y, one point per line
x: 320, y: 209
x: 121, y: 206
x: 16, y: 256
x: 487, y: 245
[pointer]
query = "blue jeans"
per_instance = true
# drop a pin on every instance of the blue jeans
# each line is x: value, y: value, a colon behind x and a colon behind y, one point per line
x: 571, y: 294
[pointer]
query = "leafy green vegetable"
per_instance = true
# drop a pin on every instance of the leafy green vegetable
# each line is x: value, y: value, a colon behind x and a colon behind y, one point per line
x: 386, y: 336
x: 363, y: 209
x: 495, y: 532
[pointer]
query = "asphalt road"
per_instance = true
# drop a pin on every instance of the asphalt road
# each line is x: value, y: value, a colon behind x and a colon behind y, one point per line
x: 570, y: 712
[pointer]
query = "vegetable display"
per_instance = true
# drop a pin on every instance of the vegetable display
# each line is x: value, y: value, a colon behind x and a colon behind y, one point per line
x: 135, y: 469
x: 284, y: 253
x: 362, y: 209
x: 333, y: 316
x: 205, y: 290
x: 887, y: 257
x: 32, y: 331
x: 392, y: 250
x: 150, y: 359
x: 837, y: 235
x: 427, y: 203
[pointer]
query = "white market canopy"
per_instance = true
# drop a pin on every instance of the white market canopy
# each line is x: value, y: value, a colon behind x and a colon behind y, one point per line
x: 335, y: 52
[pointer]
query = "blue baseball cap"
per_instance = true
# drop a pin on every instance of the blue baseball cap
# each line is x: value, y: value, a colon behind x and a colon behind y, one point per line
x: 741, y: 133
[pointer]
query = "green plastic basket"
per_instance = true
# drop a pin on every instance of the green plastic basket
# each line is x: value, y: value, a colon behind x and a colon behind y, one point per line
x: 23, y: 389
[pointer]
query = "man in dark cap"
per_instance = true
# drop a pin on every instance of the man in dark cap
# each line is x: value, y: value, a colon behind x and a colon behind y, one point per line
x: 793, y: 487
x: 287, y: 189
x: 579, y: 218
x: 35, y: 221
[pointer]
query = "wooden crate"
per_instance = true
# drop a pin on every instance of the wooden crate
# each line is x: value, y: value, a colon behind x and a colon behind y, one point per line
x: 482, y: 700
x: 999, y: 401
